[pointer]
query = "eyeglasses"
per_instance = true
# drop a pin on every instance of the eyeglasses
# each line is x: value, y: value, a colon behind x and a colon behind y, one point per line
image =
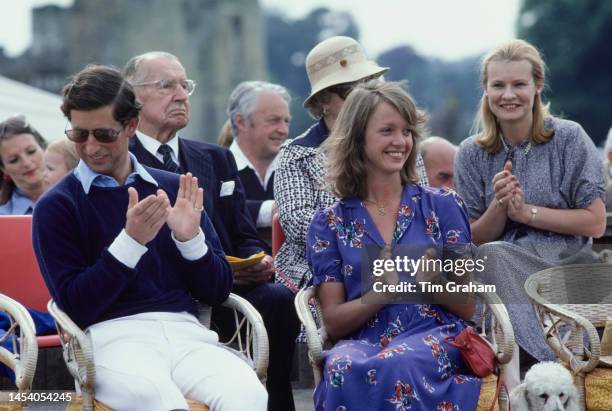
x: 165, y: 86
x: 342, y: 90
x: 103, y: 135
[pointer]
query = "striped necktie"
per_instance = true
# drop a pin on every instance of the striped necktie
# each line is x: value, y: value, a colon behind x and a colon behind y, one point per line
x: 169, y: 163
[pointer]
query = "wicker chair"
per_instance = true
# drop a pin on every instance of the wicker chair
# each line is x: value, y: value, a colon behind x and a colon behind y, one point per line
x: 495, y: 324
x: 24, y: 354
x: 250, y: 342
x: 22, y: 359
x: 570, y: 303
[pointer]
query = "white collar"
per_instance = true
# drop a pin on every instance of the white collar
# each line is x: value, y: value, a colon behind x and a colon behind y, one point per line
x: 152, y: 145
x: 243, y: 162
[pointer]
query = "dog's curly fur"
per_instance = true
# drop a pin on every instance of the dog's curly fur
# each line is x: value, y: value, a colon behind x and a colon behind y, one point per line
x: 548, y: 386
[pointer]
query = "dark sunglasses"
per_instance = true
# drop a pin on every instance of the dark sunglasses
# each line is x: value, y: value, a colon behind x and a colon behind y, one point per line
x: 342, y: 90
x: 103, y: 135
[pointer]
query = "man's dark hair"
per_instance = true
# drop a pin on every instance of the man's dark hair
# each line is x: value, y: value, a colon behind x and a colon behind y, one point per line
x: 98, y: 86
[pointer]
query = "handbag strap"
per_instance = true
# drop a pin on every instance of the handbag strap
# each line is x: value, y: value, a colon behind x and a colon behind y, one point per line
x: 500, y: 382
x: 450, y: 340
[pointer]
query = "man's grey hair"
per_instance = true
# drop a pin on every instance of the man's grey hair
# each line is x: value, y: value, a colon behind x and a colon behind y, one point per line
x: 425, y: 144
x: 243, y: 99
x: 132, y: 70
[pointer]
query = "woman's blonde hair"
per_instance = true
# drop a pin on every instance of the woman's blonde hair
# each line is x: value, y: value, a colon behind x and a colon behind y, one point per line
x: 346, y: 170
x: 67, y: 150
x: 225, y: 138
x: 486, y: 123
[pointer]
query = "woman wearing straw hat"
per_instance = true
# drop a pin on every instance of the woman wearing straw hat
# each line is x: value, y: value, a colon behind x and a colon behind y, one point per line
x: 334, y: 67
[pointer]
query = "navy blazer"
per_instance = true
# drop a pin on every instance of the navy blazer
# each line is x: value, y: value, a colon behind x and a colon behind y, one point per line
x: 213, y: 165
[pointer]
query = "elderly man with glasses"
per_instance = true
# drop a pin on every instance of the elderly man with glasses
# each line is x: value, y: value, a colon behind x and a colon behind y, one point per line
x: 161, y: 85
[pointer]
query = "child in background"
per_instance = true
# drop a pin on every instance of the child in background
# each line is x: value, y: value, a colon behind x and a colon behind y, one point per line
x: 60, y: 158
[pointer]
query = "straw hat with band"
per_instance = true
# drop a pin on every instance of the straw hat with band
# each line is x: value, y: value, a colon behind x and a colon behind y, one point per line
x: 338, y: 60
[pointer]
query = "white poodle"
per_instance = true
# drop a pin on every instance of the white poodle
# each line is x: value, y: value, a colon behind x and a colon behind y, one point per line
x: 548, y: 386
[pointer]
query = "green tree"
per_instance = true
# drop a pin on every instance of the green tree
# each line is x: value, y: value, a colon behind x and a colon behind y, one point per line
x: 447, y: 91
x: 575, y: 37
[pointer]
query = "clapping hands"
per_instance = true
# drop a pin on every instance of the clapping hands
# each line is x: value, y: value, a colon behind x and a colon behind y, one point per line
x: 509, y: 194
x: 146, y: 217
x: 184, y: 217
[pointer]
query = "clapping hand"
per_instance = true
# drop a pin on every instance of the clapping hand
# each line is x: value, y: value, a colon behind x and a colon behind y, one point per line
x: 509, y: 194
x: 504, y: 183
x: 145, y: 218
x: 516, y: 206
x: 184, y: 217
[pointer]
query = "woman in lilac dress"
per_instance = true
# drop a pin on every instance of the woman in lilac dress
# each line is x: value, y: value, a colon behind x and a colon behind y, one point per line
x: 386, y: 357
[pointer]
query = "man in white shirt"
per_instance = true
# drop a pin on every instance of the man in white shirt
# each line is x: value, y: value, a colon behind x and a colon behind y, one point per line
x: 259, y: 116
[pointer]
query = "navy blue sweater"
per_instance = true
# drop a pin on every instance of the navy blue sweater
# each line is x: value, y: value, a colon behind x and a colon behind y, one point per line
x: 71, y: 234
x: 255, y: 193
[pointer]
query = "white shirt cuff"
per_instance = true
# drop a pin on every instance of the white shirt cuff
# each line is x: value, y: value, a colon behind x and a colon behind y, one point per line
x: 127, y: 250
x: 193, y: 249
x: 264, y: 218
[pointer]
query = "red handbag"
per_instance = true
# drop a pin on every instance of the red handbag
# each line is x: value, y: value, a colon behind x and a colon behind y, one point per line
x: 478, y: 356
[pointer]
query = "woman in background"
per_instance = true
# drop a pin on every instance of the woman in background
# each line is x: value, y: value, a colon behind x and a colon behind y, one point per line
x: 532, y: 183
x: 21, y: 166
x: 21, y: 184
x: 225, y: 137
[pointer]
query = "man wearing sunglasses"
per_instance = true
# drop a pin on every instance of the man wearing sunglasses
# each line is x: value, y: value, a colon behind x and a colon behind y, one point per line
x: 161, y: 85
x: 124, y: 250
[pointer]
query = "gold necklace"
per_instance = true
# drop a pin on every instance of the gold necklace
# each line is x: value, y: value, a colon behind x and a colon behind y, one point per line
x: 380, y: 207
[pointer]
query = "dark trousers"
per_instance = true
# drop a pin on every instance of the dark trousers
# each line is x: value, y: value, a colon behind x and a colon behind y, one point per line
x: 275, y: 304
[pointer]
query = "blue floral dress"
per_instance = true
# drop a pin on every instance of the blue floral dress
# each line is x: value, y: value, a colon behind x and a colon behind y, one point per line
x: 398, y: 360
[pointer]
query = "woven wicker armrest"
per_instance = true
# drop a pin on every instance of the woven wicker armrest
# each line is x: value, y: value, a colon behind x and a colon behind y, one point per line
x: 561, y: 328
x: 250, y: 332
x: 77, y: 351
x: 22, y: 359
x: 316, y: 337
x: 498, y: 329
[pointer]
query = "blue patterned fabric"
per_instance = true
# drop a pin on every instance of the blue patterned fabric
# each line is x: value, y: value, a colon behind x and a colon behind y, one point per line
x: 44, y: 325
x: 398, y: 360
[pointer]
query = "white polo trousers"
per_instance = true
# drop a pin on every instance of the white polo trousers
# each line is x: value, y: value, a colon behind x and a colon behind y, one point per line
x: 153, y: 361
